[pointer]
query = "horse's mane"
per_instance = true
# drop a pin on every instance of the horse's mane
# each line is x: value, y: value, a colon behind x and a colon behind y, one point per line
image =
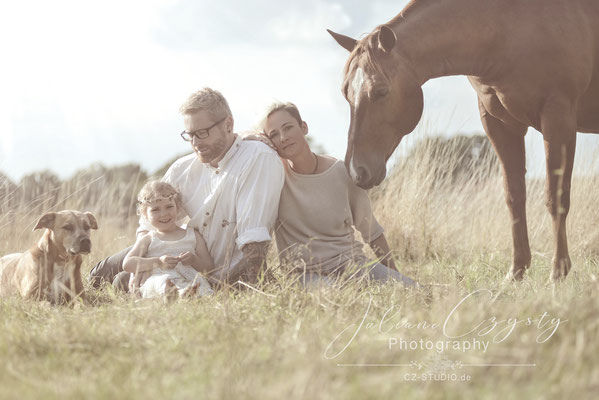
x: 368, y: 44
x: 410, y: 8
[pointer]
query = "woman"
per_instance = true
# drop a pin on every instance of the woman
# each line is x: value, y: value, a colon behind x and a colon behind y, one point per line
x: 319, y: 207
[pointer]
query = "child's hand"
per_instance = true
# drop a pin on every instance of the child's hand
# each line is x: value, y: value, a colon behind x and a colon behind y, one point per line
x: 191, y: 259
x: 169, y: 262
x: 187, y: 258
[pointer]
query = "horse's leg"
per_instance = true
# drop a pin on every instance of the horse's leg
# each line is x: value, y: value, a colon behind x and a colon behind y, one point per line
x: 559, y: 130
x: 508, y: 142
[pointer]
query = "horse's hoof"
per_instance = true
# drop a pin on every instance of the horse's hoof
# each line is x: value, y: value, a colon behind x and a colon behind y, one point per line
x: 560, y: 270
x: 557, y: 276
x: 514, y: 275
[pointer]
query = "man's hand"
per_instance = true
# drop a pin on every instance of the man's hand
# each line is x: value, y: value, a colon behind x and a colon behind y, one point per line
x: 254, y: 257
x: 169, y: 262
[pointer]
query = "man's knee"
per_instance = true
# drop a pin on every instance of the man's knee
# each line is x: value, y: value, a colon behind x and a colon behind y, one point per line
x: 95, y: 281
x: 96, y: 277
x: 107, y: 269
x: 121, y: 281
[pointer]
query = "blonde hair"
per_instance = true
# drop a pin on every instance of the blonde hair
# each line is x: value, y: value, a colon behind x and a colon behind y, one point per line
x: 156, y: 190
x: 209, y: 100
x: 280, y: 106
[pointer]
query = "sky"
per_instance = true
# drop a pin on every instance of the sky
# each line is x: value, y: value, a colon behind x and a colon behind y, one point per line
x: 101, y: 81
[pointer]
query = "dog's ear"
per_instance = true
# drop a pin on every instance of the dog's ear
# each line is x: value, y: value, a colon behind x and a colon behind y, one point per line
x: 46, y: 221
x: 92, y: 220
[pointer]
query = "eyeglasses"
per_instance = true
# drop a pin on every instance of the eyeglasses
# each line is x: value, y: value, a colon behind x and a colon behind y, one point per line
x: 200, y: 133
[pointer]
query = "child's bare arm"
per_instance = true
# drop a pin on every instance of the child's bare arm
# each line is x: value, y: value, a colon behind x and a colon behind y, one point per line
x: 133, y: 261
x: 201, y: 260
x: 136, y: 261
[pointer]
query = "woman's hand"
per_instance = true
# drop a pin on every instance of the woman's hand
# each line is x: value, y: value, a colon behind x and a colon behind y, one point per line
x: 259, y: 137
x: 169, y: 262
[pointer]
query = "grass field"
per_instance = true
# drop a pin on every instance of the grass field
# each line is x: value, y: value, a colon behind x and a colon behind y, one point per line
x: 528, y: 340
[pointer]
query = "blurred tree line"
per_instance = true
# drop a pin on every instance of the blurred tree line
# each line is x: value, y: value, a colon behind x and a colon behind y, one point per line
x: 455, y: 160
x: 113, y: 190
x: 100, y: 189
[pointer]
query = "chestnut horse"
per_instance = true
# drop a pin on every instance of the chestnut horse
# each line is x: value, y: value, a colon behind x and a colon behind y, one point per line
x: 532, y: 63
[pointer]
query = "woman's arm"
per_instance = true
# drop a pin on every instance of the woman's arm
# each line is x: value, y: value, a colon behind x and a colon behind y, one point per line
x: 366, y: 223
x: 382, y: 251
x: 201, y: 260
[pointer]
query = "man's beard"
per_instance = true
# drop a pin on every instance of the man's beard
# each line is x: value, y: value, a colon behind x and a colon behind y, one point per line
x: 214, y: 151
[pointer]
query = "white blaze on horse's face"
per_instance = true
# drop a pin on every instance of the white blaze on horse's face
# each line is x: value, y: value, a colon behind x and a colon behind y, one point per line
x: 357, y: 84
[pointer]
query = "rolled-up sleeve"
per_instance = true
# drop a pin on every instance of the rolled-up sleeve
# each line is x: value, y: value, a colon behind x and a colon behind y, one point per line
x: 257, y: 202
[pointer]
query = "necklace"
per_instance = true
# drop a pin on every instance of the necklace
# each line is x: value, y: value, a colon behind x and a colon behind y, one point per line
x: 316, y: 166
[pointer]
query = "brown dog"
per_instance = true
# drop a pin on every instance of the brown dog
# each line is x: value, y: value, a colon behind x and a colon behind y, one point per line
x: 51, y: 269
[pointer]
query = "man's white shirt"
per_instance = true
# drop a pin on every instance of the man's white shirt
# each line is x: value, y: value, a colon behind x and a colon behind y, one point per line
x: 231, y: 205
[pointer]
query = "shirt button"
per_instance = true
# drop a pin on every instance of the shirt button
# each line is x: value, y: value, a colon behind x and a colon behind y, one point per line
x: 205, y: 224
x: 207, y: 213
x: 216, y: 172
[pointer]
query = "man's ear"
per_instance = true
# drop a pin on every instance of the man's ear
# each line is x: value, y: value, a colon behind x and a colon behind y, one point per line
x: 46, y: 221
x: 229, y: 123
x: 92, y: 220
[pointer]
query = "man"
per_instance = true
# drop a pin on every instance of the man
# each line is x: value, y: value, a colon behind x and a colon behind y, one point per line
x: 229, y: 188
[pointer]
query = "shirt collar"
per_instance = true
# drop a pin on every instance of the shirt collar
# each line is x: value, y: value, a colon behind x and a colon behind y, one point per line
x: 228, y: 155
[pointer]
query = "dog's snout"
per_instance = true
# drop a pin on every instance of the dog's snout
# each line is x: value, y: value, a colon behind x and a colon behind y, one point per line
x: 85, y: 245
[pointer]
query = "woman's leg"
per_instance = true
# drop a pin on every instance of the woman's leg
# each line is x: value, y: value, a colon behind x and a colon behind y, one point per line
x: 382, y: 273
x: 313, y: 280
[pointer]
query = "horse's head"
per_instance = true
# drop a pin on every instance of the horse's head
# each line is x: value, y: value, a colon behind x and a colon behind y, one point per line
x: 385, y: 100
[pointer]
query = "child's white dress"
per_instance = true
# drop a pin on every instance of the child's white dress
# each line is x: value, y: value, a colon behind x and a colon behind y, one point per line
x: 182, y: 275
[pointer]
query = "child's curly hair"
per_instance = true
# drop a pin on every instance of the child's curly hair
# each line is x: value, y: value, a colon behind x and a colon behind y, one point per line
x: 156, y: 190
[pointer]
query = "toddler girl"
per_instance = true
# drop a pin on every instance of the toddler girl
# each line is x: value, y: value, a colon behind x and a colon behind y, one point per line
x: 168, y: 260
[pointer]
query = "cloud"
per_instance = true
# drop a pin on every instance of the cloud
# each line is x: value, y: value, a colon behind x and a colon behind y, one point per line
x: 193, y: 25
x: 198, y: 25
x: 111, y: 75
x: 105, y: 79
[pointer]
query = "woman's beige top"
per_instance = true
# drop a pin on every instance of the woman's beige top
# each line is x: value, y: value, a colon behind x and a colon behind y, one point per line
x: 317, y: 214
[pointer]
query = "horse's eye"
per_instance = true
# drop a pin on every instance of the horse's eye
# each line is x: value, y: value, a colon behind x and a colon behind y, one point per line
x: 68, y: 227
x: 378, y: 92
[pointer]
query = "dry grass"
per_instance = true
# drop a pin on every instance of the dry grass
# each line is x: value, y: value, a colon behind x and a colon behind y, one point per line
x: 275, y: 343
